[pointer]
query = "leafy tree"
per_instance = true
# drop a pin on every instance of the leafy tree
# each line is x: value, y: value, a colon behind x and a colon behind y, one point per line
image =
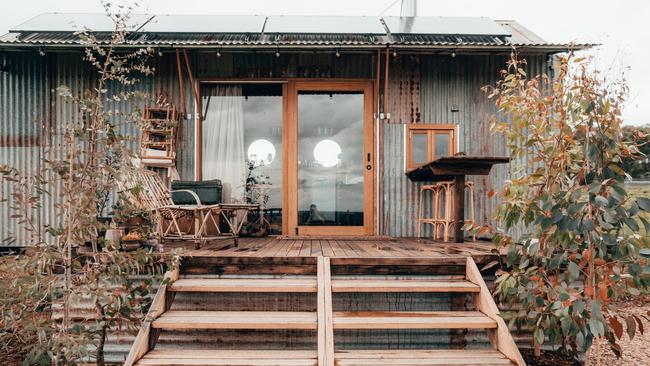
x: 583, y: 230
x: 57, y: 277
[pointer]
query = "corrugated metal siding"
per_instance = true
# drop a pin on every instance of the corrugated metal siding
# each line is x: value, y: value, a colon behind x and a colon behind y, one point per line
x: 24, y: 98
x: 422, y: 90
x: 445, y: 82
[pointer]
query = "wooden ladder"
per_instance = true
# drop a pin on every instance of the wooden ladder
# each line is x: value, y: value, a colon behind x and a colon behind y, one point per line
x: 330, y: 277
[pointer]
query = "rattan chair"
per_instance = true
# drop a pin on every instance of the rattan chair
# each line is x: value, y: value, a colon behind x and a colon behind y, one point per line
x: 147, y: 191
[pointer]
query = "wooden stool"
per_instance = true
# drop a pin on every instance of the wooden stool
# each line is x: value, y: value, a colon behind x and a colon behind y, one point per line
x: 422, y: 219
x: 446, y: 222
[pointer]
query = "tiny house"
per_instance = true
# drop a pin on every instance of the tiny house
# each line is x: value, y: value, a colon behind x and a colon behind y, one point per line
x: 327, y: 114
x: 331, y: 111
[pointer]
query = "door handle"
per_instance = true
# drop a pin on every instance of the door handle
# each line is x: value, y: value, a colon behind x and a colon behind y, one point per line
x: 368, y: 167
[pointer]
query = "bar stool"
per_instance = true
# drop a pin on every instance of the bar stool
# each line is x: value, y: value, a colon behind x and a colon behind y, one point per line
x: 446, y: 223
x: 422, y: 219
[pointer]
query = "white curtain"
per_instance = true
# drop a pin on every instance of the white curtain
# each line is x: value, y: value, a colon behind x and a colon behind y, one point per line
x: 224, y: 155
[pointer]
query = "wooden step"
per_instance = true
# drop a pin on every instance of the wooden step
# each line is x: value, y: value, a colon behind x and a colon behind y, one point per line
x: 469, y: 357
x: 412, y: 320
x: 236, y: 320
x: 243, y: 285
x: 380, y: 285
x: 187, y: 357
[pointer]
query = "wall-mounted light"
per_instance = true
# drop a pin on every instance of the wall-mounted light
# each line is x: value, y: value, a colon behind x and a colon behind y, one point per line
x: 277, y: 52
x: 219, y: 52
x: 41, y: 51
x: 160, y: 53
x: 338, y: 53
x: 394, y: 53
x: 453, y: 54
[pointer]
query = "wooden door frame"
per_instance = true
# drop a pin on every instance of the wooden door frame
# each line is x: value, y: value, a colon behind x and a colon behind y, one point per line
x: 289, y: 139
x: 290, y: 225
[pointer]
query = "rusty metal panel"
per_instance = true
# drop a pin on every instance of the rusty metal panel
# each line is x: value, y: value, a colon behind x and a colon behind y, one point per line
x: 450, y: 94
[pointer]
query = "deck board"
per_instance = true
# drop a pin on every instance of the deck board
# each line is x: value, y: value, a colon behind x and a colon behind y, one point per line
x: 481, y: 251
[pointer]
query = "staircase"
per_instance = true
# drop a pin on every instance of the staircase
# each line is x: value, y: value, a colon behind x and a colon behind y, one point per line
x: 324, y: 311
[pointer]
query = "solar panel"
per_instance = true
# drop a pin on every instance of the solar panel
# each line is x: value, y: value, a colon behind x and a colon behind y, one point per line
x: 72, y: 22
x: 444, y: 25
x: 205, y: 24
x: 324, y: 25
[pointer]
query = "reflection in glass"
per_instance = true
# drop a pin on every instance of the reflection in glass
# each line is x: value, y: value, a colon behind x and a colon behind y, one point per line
x: 419, y: 148
x: 326, y: 153
x: 242, y: 124
x: 330, y: 158
x: 442, y: 145
x: 261, y: 152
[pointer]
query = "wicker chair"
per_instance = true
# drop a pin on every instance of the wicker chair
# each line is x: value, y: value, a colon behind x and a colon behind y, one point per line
x: 147, y: 191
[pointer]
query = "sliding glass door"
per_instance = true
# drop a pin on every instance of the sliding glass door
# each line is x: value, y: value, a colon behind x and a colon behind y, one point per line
x: 330, y: 158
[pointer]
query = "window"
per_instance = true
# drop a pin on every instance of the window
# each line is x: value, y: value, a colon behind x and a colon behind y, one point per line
x: 426, y: 142
x: 242, y: 144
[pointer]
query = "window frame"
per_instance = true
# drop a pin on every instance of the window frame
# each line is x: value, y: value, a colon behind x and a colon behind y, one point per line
x: 431, y: 130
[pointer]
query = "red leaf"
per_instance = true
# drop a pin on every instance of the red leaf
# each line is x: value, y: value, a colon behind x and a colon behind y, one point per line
x: 602, y: 291
x: 616, y: 326
x: 640, y: 322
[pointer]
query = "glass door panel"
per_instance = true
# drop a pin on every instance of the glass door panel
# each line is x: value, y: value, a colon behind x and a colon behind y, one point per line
x: 330, y: 158
x: 242, y: 145
x: 330, y: 161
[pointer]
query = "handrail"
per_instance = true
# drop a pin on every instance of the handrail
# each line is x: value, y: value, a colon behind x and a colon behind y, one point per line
x: 483, y: 301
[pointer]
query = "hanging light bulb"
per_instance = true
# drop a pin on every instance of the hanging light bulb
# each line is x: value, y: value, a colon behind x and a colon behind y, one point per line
x: 394, y: 53
x: 219, y: 53
x: 160, y: 53
x: 41, y: 51
x: 453, y: 54
x: 277, y: 53
x: 338, y: 53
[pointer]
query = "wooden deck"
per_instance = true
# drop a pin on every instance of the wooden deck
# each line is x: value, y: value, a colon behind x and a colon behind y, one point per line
x: 480, y: 251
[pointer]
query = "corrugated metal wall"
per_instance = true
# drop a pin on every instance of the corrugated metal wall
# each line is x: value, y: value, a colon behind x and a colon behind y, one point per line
x: 429, y: 89
x: 24, y: 100
x: 422, y: 89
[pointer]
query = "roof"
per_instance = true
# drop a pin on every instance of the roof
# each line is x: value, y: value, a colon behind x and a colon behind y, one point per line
x: 254, y: 31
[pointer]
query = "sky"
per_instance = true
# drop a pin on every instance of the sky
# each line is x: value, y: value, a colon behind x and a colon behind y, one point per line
x: 620, y: 26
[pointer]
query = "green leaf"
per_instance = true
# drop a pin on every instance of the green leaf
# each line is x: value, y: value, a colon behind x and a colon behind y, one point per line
x: 574, y: 270
x: 539, y: 335
x: 644, y: 203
